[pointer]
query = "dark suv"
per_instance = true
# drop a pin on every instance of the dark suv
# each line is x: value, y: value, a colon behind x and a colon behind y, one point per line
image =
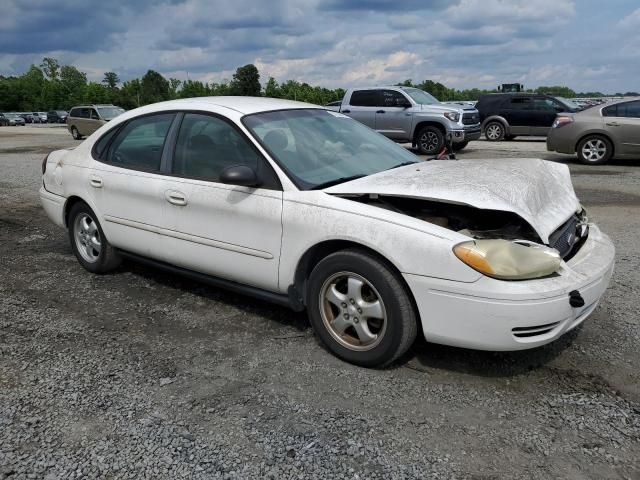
x: 57, y: 116
x: 506, y: 115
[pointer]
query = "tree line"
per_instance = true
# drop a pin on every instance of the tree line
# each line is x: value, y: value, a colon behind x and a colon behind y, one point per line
x: 51, y: 86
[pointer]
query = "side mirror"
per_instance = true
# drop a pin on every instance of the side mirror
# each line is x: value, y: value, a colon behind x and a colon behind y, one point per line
x: 240, y: 175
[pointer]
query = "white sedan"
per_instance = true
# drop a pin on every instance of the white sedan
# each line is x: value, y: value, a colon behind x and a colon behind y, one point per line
x: 307, y: 208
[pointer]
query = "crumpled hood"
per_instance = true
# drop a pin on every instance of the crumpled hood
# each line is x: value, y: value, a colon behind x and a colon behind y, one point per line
x: 540, y: 192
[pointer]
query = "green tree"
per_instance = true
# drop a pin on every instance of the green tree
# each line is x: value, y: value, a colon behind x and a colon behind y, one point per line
x: 111, y: 80
x: 174, y: 87
x: 272, y: 89
x: 558, y: 90
x: 246, y: 81
x: 50, y: 67
x: 154, y: 88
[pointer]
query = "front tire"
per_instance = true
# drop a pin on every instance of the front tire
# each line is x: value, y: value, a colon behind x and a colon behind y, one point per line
x: 430, y: 140
x: 360, y: 309
x: 459, y: 146
x: 594, y: 150
x: 494, y: 131
x: 88, y: 241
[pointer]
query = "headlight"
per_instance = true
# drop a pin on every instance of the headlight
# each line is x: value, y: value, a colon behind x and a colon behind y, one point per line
x: 507, y: 260
x: 453, y: 116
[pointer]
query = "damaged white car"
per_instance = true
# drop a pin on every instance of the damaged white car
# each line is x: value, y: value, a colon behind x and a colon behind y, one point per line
x: 308, y: 208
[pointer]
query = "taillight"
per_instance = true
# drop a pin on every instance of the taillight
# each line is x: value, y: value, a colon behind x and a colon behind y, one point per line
x: 44, y: 163
x: 561, y: 121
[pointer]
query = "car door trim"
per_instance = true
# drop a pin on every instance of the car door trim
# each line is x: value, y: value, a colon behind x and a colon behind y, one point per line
x: 189, y: 238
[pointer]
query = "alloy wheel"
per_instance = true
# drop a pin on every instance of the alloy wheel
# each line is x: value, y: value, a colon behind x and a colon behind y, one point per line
x: 429, y: 141
x: 352, y: 311
x: 493, y: 131
x: 87, y: 237
x: 594, y: 150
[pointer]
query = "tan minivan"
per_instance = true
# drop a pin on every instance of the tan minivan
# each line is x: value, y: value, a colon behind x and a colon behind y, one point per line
x: 86, y: 119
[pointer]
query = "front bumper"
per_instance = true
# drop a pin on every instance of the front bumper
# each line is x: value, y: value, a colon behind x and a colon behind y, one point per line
x: 466, y: 134
x: 500, y: 315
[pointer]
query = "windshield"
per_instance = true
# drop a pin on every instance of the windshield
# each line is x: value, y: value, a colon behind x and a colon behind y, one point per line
x: 317, y: 147
x: 421, y: 97
x: 109, y: 113
x: 568, y: 103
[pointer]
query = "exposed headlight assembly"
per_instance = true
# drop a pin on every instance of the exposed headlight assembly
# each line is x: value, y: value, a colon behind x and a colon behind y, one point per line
x: 507, y: 260
x: 453, y: 116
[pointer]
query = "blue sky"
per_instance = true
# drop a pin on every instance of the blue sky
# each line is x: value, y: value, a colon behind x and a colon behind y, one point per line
x: 585, y: 44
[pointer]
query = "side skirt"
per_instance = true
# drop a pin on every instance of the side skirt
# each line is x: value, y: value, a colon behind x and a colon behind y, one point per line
x: 289, y: 301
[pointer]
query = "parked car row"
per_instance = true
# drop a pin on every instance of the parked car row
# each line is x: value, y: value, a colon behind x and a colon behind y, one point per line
x: 11, y: 119
x: 53, y: 116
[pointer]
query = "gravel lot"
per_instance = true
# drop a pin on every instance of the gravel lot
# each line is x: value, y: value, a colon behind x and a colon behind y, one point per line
x: 143, y: 375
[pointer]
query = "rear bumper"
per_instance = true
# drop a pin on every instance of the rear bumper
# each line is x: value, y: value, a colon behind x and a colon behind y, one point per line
x: 53, y: 205
x: 502, y: 316
x: 556, y: 142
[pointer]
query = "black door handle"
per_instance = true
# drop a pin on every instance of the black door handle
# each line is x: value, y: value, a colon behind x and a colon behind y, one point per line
x: 380, y: 111
x: 346, y: 111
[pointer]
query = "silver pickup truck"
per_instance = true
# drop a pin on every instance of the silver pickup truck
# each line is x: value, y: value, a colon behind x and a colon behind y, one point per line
x: 410, y: 115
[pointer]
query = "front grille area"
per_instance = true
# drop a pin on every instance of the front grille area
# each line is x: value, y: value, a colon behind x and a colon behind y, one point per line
x: 569, y: 237
x: 470, y: 118
x: 533, y: 331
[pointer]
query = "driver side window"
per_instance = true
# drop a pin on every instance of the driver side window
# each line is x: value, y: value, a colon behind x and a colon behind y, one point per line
x: 207, y: 145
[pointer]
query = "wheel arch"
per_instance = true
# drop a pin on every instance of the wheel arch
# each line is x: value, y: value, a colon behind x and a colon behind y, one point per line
x: 596, y: 133
x: 426, y: 123
x: 68, y: 205
x: 317, y: 252
x: 495, y: 118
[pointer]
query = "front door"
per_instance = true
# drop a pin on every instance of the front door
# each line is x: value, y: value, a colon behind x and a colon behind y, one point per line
x: 223, y: 230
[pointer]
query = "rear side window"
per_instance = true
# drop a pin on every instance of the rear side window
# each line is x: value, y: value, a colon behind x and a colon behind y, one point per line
x: 75, y: 112
x: 139, y: 143
x: 364, y: 98
x: 101, y: 145
x: 627, y: 109
x: 520, y: 103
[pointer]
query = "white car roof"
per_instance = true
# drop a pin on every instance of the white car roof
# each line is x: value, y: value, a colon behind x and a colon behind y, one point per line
x: 242, y: 105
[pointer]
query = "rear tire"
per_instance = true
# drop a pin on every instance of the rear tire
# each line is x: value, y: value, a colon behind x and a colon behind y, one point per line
x: 75, y: 133
x: 88, y: 241
x: 494, y: 131
x: 594, y: 150
x: 360, y: 309
x: 430, y: 140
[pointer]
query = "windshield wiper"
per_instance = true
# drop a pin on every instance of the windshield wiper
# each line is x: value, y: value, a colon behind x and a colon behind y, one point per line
x: 403, y: 164
x: 337, y: 181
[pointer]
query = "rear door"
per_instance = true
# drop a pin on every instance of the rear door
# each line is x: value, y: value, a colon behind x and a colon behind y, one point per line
x: 93, y: 123
x: 517, y: 111
x: 392, y: 118
x: 622, y: 121
x: 362, y: 107
x: 127, y: 185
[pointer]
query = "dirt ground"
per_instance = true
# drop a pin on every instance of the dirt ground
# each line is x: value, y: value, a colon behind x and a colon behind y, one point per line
x: 140, y: 374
